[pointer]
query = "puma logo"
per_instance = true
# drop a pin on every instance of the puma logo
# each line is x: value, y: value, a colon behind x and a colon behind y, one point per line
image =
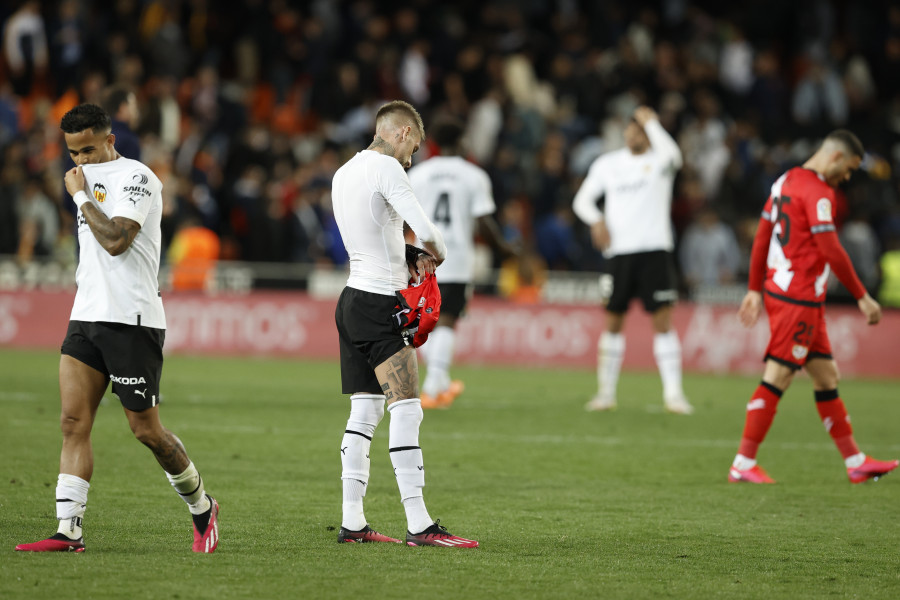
x: 142, y: 394
x: 344, y: 448
x: 421, y: 468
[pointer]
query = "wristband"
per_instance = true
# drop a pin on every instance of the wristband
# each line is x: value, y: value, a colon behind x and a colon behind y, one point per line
x: 80, y: 198
x: 413, y: 253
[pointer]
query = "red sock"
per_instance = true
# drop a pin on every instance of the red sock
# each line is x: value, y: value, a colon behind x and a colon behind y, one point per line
x: 837, y: 422
x: 760, y: 412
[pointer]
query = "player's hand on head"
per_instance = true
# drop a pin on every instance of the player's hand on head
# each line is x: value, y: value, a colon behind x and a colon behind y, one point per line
x: 642, y: 114
x: 74, y: 180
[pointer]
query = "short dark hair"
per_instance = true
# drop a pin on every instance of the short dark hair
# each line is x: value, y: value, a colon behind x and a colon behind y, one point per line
x: 114, y: 98
x: 406, y: 110
x: 848, y: 140
x: 447, y: 132
x: 86, y: 116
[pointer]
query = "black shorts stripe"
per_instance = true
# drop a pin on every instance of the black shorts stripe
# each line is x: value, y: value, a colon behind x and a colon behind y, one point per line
x: 813, y: 355
x: 402, y: 448
x: 808, y: 303
x: 358, y: 433
x: 786, y: 363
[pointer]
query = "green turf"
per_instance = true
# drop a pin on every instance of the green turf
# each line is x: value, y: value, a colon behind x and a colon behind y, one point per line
x: 566, y: 504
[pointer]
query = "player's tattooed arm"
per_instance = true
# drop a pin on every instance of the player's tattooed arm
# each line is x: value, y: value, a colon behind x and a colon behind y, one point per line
x: 115, y: 235
x: 388, y: 394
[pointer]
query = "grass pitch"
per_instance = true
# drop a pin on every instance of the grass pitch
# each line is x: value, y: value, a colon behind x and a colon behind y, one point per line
x: 566, y: 504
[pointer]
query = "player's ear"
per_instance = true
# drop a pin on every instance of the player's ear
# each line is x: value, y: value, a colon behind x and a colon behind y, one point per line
x: 111, y: 139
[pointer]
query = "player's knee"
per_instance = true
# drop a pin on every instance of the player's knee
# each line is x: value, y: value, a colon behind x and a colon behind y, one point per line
x: 367, y: 408
x: 74, y: 424
x: 146, y: 434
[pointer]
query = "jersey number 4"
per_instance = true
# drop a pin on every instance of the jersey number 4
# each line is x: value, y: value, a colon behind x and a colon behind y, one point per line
x: 442, y: 209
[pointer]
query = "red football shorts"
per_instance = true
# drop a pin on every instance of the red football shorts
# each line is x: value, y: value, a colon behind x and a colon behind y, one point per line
x: 797, y: 332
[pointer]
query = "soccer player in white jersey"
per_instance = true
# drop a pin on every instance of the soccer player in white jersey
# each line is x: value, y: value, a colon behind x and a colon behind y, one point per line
x: 635, y: 233
x: 116, y: 329
x: 457, y: 195
x: 372, y: 198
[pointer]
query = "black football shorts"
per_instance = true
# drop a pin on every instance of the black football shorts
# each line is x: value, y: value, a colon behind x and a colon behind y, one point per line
x: 649, y: 276
x: 367, y: 337
x: 130, y: 356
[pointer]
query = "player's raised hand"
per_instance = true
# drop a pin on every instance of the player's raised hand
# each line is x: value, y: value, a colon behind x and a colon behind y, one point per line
x: 642, y: 114
x: 750, y: 308
x: 74, y: 180
x: 870, y: 308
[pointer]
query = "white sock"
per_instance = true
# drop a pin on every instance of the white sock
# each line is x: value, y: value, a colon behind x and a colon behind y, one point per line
x: 366, y: 411
x: 610, y: 352
x: 742, y: 463
x: 667, y: 350
x: 189, y: 486
x: 71, y: 502
x: 440, y: 357
x: 855, y: 461
x: 406, y: 456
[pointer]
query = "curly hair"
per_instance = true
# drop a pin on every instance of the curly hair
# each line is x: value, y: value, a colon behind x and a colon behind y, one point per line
x: 86, y: 116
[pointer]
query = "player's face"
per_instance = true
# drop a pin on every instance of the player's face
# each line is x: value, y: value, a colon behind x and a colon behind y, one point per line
x: 635, y: 138
x: 841, y: 168
x: 409, y: 145
x: 89, y: 148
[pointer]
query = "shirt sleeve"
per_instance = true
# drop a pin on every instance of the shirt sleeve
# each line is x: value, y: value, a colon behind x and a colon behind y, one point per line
x: 663, y: 144
x: 483, y: 203
x: 831, y: 250
x: 395, y: 187
x: 760, y: 253
x: 594, y: 185
x: 135, y: 194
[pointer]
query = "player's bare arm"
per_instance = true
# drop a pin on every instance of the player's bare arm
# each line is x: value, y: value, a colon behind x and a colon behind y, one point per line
x: 751, y: 306
x: 114, y: 235
x: 400, y: 374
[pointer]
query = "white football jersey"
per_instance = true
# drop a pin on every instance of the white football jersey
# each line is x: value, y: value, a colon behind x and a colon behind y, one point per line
x: 638, y: 190
x: 453, y: 193
x: 124, y: 288
x: 371, y: 197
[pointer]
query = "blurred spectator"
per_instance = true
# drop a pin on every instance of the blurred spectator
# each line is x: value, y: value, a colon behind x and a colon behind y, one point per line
x: 709, y: 251
x: 861, y: 243
x: 38, y: 222
x: 192, y: 255
x: 288, y: 90
x: 121, y: 104
x: 820, y: 100
x: 25, y: 47
x: 889, y: 293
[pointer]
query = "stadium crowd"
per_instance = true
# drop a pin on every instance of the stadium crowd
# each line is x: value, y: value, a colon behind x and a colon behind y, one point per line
x: 246, y: 113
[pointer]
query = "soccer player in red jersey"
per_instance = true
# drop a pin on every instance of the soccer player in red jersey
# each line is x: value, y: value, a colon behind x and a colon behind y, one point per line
x: 795, y: 249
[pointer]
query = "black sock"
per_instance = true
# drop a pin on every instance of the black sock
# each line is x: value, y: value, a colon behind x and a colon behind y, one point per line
x: 201, y: 521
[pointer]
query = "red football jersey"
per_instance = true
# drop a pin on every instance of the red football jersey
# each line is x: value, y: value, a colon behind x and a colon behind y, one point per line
x: 800, y: 206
